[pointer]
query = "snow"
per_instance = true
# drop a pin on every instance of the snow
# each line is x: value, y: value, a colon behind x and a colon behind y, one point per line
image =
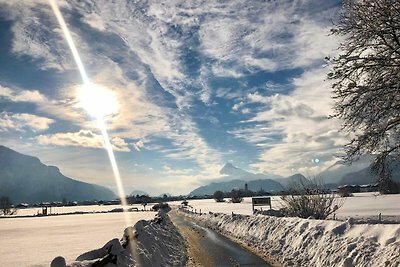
x: 149, y: 243
x: 160, y: 243
x: 362, y: 205
x: 306, y: 242
x: 71, y: 209
x: 36, y: 241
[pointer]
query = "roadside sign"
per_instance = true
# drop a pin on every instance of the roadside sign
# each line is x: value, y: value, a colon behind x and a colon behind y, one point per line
x: 261, y: 201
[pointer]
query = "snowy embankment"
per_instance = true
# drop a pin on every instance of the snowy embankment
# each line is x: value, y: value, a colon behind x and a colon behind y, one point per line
x: 307, y: 242
x: 149, y: 243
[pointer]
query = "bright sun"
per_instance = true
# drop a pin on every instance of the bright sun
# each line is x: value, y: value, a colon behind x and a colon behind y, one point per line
x: 97, y: 100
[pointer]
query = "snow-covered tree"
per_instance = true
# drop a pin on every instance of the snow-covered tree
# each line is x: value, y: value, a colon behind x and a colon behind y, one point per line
x: 366, y: 81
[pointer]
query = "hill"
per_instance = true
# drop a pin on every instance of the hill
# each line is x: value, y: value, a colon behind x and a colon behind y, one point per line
x: 25, y: 179
x: 360, y: 172
x: 368, y: 176
x: 335, y: 173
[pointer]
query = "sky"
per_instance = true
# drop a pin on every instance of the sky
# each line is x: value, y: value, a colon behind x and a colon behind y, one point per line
x: 197, y: 84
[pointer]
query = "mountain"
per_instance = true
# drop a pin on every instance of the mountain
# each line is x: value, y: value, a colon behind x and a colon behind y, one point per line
x: 292, y: 180
x: 236, y: 178
x: 368, y: 176
x: 337, y: 171
x: 231, y: 170
x: 25, y: 179
x: 359, y: 172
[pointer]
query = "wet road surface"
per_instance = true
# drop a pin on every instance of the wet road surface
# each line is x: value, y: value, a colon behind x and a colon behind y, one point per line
x: 209, y: 248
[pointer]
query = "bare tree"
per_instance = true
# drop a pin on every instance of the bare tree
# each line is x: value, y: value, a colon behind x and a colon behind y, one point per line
x: 366, y: 81
x: 309, y: 199
x: 6, y: 206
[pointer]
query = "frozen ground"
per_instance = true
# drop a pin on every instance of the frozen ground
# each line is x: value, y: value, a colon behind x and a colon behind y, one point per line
x: 306, y: 242
x: 361, y: 205
x: 36, y: 241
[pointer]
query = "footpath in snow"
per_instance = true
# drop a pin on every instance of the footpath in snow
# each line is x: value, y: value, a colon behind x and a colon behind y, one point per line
x: 309, y: 242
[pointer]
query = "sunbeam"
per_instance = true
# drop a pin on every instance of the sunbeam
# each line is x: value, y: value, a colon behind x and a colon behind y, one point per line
x: 91, y: 96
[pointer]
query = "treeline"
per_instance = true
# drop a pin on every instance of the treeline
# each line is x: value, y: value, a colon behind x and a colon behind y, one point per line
x: 237, y: 195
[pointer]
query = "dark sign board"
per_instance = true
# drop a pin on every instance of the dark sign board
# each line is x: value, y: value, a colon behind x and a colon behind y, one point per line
x: 261, y: 201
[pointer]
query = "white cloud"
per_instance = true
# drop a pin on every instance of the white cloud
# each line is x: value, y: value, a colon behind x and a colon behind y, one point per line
x: 266, y: 36
x: 187, y: 144
x: 83, y: 138
x: 260, y: 35
x: 237, y: 106
x: 23, y: 122
x: 60, y: 108
x: 148, y: 45
x: 33, y: 31
x: 291, y: 130
x: 138, y: 145
x: 95, y: 21
x: 33, y: 96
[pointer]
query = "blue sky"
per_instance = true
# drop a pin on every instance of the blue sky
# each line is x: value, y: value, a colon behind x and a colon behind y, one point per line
x: 198, y: 84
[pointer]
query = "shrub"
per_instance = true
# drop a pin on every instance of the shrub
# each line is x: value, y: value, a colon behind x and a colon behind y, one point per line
x: 161, y: 206
x: 219, y: 196
x: 236, y: 196
x: 310, y: 200
x: 344, y: 192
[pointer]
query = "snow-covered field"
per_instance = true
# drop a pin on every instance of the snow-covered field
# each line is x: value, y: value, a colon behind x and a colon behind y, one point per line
x: 361, y: 205
x: 36, y: 241
x: 71, y: 209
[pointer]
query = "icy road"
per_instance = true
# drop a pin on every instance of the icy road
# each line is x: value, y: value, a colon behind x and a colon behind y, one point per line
x: 209, y: 248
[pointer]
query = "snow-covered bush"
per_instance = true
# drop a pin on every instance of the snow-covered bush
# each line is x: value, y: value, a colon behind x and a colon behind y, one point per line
x: 308, y: 199
x: 236, y: 196
x: 219, y: 196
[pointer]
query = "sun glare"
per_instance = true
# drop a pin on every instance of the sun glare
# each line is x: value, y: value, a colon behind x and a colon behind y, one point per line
x: 97, y: 100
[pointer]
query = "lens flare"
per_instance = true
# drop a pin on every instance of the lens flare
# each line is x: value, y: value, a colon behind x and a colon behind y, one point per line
x: 99, y: 102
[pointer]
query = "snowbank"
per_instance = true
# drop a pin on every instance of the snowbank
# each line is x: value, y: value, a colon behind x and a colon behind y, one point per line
x: 306, y: 242
x: 149, y: 243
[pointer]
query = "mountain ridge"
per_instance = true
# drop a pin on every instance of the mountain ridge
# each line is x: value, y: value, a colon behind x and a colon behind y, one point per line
x: 25, y: 178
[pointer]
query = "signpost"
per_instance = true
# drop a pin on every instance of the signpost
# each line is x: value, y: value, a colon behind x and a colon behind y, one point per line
x: 261, y: 201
